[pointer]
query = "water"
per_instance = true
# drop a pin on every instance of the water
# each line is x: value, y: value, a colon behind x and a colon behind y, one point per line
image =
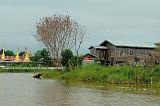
x: 18, y: 89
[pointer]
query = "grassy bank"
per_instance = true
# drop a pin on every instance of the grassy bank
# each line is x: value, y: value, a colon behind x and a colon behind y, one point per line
x: 111, y: 74
x: 25, y: 69
x: 18, y: 70
x: 98, y: 73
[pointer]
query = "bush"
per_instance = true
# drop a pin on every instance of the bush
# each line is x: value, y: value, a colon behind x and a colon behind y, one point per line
x: 66, y: 55
x: 73, y: 61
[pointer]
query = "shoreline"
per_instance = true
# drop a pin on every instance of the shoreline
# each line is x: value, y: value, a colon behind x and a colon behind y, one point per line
x: 95, y: 73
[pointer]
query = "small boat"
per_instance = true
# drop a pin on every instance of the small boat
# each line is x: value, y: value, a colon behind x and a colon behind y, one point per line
x: 37, y: 75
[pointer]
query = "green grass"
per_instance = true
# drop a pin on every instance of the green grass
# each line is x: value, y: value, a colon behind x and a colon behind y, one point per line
x: 18, y: 70
x: 110, y: 74
x: 50, y: 74
x: 23, y: 69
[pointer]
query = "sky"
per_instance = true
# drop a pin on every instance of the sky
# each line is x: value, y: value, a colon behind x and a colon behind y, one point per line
x: 127, y: 21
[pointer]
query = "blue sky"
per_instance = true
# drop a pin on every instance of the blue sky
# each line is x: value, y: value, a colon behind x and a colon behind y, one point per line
x: 133, y: 21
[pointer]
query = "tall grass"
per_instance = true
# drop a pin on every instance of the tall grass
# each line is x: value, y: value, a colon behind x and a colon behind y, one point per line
x: 111, y: 74
x: 50, y: 74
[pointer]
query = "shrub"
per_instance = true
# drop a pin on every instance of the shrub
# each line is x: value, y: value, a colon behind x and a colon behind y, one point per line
x: 66, y: 55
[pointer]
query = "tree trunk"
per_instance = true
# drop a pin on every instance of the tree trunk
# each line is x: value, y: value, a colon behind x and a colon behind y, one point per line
x: 77, y: 59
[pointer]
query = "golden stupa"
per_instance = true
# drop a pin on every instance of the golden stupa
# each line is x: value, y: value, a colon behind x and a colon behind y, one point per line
x: 3, y: 58
x: 26, y: 59
x: 17, y: 56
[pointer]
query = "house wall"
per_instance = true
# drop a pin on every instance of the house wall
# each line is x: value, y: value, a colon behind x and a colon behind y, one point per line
x: 129, y: 54
x: 125, y: 54
x: 93, y: 51
x: 99, y: 53
x: 111, y: 51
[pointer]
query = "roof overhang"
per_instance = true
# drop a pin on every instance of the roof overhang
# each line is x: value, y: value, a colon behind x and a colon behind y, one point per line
x: 101, y: 47
x: 91, y: 47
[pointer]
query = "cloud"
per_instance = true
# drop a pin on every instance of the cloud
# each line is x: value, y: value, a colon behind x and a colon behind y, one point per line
x: 123, y: 20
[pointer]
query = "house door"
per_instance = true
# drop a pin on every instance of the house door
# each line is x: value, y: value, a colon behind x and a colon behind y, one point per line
x: 106, y: 55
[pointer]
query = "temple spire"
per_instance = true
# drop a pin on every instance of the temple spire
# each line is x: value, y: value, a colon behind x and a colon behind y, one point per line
x: 26, y: 59
x: 3, y: 58
x: 17, y: 55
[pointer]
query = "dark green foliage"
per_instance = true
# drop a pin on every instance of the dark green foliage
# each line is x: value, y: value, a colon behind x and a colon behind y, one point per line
x: 43, y: 57
x: 66, y: 56
x: 22, y: 53
x: 9, y: 53
x: 73, y: 61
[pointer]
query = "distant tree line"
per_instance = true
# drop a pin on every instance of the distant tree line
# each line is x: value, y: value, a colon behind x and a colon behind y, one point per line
x: 11, y: 53
x: 42, y: 57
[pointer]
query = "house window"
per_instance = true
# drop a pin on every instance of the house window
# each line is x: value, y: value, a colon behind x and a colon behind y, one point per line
x: 121, y: 53
x: 131, y: 53
x: 150, y: 54
x: 126, y: 52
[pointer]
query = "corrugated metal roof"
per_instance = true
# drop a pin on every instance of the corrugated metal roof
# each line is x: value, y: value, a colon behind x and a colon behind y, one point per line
x: 130, y: 44
x: 133, y: 44
x: 100, y: 47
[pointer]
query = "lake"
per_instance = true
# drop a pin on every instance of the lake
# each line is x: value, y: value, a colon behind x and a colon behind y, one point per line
x: 20, y: 89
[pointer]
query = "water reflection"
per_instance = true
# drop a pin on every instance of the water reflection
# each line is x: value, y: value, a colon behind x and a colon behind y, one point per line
x: 22, y: 90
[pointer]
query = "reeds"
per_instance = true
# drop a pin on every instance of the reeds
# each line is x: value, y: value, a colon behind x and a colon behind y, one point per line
x: 111, y: 74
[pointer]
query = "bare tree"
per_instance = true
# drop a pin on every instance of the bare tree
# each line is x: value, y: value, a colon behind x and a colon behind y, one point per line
x: 58, y: 33
x: 78, y: 39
